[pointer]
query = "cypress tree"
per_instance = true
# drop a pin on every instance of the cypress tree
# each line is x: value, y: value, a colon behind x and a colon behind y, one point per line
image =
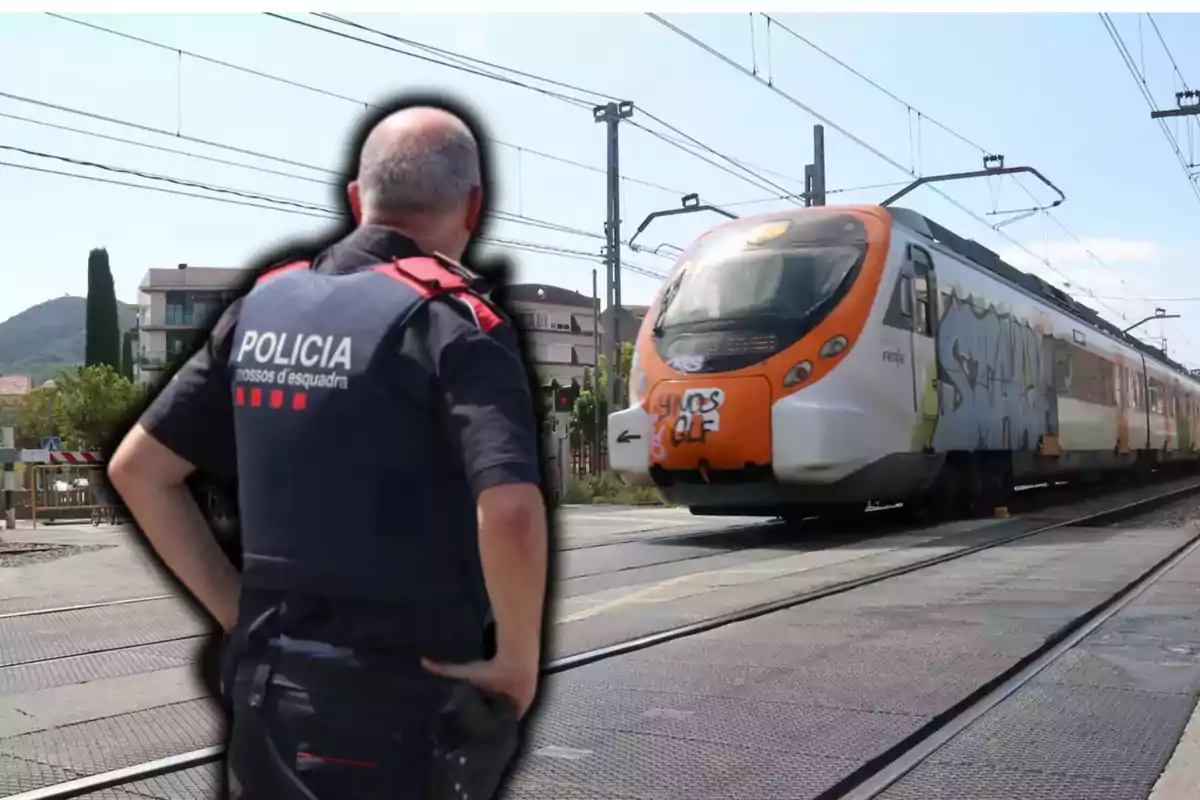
x: 127, y: 355
x: 103, y: 329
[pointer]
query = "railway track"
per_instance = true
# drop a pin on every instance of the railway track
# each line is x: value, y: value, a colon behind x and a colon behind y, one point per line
x: 874, y: 777
x: 815, y: 536
x: 731, y: 539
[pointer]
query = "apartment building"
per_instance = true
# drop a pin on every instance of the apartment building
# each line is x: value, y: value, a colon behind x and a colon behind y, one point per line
x: 561, y: 325
x: 174, y: 306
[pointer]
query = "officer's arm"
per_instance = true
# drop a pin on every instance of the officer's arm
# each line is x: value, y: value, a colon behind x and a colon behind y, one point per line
x: 189, y: 425
x: 491, y: 417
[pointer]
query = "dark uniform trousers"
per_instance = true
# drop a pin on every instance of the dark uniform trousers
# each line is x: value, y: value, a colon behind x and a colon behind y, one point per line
x: 309, y: 720
x: 322, y: 705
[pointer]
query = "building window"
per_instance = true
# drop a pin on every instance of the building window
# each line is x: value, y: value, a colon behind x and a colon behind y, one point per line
x: 177, y: 343
x: 197, y: 309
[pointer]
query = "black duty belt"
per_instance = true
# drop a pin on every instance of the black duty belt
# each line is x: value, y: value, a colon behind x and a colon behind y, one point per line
x: 475, y: 734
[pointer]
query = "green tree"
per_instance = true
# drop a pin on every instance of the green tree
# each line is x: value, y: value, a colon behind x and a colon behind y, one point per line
x: 103, y: 344
x: 91, y: 402
x: 127, y: 356
x: 595, y: 391
x: 33, y: 417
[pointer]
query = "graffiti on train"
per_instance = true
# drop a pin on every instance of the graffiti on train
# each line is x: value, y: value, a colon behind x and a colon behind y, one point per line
x: 690, y: 416
x: 996, y: 374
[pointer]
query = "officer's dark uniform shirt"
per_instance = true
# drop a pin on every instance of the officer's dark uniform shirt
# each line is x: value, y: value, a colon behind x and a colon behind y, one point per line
x: 472, y: 380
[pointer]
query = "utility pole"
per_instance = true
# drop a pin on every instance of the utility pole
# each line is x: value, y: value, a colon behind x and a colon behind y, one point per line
x: 611, y: 115
x: 8, y: 478
x: 595, y: 377
x: 814, y: 173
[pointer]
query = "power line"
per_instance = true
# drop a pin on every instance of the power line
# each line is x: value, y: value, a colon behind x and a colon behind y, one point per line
x: 1167, y: 49
x: 161, y: 149
x: 863, y: 188
x: 946, y: 128
x: 507, y: 216
x: 505, y: 79
x: 285, y: 205
x: 758, y: 181
x: 601, y: 96
x: 861, y: 143
x: 161, y: 132
x: 860, y: 75
x: 346, y: 98
x: 1140, y: 81
x: 566, y: 98
x: 501, y: 214
x: 791, y: 196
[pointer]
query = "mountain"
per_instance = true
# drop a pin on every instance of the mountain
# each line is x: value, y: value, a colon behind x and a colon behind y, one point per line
x: 41, y: 340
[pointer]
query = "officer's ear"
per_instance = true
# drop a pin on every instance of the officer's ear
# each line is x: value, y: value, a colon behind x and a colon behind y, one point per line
x: 355, y: 198
x: 474, y: 207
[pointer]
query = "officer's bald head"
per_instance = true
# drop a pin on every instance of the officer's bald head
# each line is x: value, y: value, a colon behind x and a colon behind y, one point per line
x: 419, y: 171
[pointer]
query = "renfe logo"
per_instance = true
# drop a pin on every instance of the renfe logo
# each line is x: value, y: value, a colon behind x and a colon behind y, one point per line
x: 308, y: 350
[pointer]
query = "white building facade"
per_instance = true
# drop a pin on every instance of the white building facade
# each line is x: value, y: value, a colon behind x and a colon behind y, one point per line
x: 560, y: 324
x: 174, y: 307
x: 177, y: 305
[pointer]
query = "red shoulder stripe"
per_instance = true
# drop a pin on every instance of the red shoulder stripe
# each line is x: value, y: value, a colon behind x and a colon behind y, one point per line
x: 274, y: 271
x: 489, y: 320
x: 430, y: 270
x: 419, y: 273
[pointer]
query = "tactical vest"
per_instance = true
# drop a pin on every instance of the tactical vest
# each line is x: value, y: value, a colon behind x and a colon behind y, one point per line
x: 347, y: 488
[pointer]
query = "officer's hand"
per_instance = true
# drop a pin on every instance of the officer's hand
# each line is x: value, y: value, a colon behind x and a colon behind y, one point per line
x: 510, y: 677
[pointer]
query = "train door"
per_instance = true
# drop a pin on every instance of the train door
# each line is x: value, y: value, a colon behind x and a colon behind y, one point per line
x: 924, y: 335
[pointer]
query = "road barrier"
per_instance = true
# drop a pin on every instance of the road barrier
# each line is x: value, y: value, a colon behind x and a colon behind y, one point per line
x: 53, y: 485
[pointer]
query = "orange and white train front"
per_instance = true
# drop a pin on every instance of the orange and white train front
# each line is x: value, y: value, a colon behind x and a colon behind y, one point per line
x: 757, y: 383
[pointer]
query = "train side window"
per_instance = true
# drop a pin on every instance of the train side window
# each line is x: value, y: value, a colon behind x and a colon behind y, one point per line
x: 924, y: 323
x: 906, y: 296
x: 926, y: 301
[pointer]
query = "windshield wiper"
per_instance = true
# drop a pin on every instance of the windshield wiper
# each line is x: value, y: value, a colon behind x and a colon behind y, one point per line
x: 668, y: 295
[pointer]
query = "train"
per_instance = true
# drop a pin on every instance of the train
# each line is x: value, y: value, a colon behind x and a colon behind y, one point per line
x: 832, y: 358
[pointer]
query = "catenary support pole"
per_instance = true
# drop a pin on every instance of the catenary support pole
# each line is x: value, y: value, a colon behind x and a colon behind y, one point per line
x: 818, y: 171
x: 595, y: 465
x: 8, y: 442
x: 611, y: 115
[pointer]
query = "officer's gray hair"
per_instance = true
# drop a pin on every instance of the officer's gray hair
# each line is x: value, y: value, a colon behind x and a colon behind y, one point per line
x: 428, y: 172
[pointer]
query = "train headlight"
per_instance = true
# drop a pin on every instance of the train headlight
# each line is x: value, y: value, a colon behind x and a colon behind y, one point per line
x: 798, y: 374
x: 637, y: 387
x: 834, y: 346
x: 637, y: 381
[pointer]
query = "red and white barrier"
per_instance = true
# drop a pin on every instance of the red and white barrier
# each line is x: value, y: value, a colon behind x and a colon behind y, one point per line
x: 80, y: 458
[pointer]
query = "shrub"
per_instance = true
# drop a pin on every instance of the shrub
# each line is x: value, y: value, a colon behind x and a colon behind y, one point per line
x: 608, y: 488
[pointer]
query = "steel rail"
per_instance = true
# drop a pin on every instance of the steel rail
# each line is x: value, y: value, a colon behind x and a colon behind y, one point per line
x: 878, y: 775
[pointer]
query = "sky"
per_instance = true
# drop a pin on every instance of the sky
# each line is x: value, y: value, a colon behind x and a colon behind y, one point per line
x: 1049, y: 91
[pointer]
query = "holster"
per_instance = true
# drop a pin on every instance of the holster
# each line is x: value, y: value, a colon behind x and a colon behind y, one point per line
x: 475, y: 737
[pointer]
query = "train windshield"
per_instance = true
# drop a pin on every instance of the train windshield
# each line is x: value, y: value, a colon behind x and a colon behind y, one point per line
x: 764, y: 273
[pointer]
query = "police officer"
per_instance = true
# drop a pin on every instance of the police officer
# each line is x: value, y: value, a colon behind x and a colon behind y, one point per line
x: 376, y: 412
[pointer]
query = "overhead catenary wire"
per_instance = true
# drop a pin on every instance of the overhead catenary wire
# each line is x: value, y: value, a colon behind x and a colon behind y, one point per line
x: 922, y: 115
x: 783, y: 194
x: 492, y: 75
x: 501, y: 214
x: 683, y: 141
x: 1139, y: 81
x: 520, y: 148
x: 1167, y: 50
x: 774, y: 87
x: 285, y: 205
